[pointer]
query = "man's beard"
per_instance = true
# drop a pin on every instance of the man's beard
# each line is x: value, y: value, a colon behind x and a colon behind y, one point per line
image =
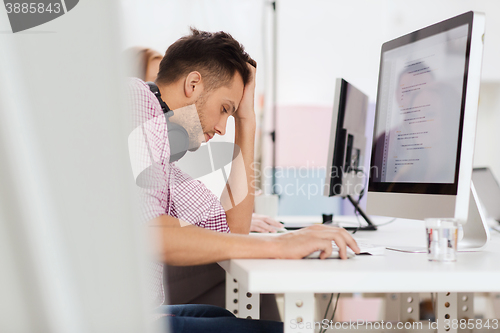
x: 195, y: 137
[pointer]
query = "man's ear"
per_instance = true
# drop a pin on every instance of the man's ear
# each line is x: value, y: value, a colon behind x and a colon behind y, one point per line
x: 193, y: 85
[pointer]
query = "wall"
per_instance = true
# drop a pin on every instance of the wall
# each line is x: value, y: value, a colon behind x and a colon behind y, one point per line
x: 318, y: 41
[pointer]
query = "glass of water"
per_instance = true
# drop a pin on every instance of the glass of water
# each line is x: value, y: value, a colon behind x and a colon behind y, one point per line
x: 442, y: 237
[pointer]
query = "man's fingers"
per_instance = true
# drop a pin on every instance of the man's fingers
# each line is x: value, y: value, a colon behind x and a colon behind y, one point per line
x: 266, y: 220
x: 353, y: 245
x: 326, y: 249
x: 254, y: 228
x: 340, y: 236
x: 261, y: 226
x: 272, y: 222
x: 341, y: 244
x: 320, y: 238
x: 351, y: 242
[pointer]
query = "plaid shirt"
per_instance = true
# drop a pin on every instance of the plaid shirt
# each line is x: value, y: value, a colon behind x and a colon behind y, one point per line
x: 165, y: 189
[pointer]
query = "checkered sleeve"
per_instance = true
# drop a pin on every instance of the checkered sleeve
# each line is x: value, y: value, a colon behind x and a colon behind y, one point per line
x: 196, y: 204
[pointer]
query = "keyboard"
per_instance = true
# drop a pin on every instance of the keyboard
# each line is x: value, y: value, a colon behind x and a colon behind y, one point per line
x: 365, y: 249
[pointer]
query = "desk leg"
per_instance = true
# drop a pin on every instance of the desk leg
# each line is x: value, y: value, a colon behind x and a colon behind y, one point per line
x: 232, y: 296
x: 392, y: 306
x: 465, y: 310
x: 451, y: 309
x: 249, y: 304
x: 446, y: 312
x: 239, y: 301
x: 495, y: 300
x: 402, y: 307
x: 299, y: 313
x: 409, y: 307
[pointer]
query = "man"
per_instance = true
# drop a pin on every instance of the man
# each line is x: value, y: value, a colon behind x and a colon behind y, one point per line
x: 212, y: 75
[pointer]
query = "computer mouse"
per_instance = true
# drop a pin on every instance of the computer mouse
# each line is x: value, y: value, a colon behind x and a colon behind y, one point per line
x: 334, y: 255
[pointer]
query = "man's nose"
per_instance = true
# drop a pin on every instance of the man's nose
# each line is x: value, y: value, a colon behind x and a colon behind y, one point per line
x: 220, y: 128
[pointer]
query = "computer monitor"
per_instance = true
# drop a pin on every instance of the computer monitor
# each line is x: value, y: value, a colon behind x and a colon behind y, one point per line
x: 425, y: 124
x: 345, y: 176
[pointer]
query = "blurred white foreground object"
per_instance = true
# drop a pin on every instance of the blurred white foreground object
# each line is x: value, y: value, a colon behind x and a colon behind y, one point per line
x: 71, y: 256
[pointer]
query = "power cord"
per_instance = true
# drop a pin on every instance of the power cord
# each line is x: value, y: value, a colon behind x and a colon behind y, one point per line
x: 323, y: 330
x: 386, y: 223
x: 361, y: 194
x: 433, y: 300
x: 327, y: 308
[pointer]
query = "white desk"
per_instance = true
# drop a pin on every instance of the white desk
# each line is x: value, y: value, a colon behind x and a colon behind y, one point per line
x: 393, y: 273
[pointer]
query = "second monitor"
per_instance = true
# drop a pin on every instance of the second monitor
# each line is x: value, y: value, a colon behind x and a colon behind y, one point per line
x: 345, y: 174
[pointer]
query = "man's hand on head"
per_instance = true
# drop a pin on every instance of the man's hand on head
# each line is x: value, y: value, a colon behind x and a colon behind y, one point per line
x: 246, y: 109
x: 242, y: 172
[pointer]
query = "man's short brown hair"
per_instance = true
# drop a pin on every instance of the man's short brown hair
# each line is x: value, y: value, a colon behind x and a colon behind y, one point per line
x: 217, y: 56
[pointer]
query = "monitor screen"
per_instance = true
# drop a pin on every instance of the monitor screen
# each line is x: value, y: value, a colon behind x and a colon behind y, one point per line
x: 420, y: 111
x: 425, y: 126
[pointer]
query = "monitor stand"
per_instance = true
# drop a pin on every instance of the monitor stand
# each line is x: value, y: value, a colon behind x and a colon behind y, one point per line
x: 369, y: 227
x: 475, y: 233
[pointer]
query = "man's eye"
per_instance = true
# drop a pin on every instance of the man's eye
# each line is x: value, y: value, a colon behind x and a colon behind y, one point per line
x: 224, y: 109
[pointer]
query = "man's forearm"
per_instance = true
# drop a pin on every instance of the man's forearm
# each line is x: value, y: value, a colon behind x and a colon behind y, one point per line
x: 238, y: 196
x: 192, y: 245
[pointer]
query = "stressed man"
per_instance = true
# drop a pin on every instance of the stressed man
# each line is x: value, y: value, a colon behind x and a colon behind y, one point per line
x: 205, y: 78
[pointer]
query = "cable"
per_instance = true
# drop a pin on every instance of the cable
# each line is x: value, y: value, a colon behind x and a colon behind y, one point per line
x: 433, y: 300
x: 335, y: 309
x: 326, y: 312
x: 359, y: 221
x: 358, y: 201
x: 361, y: 194
x: 323, y: 330
x: 385, y: 223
